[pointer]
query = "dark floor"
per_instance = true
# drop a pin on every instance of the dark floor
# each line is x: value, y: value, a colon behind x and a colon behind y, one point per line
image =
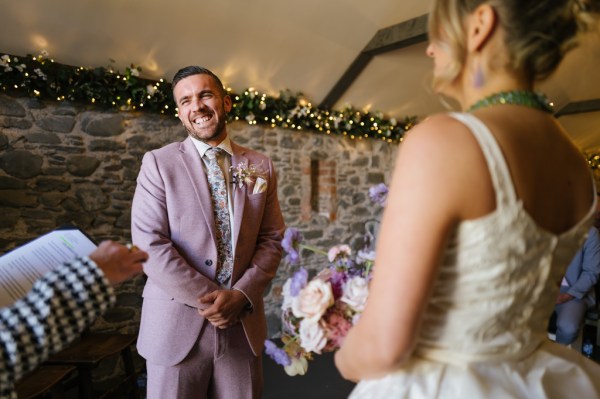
x: 322, y: 381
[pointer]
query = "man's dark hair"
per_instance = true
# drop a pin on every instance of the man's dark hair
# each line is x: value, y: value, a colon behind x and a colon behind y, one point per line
x: 196, y: 70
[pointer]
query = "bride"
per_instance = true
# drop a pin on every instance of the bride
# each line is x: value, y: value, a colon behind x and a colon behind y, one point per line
x: 486, y: 209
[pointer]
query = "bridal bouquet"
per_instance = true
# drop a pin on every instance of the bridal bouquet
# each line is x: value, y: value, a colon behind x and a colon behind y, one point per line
x: 318, y: 312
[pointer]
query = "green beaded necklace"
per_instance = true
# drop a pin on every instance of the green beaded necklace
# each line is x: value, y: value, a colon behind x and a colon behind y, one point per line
x: 517, y: 97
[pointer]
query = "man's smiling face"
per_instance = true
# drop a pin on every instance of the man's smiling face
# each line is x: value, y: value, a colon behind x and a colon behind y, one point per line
x: 202, y: 108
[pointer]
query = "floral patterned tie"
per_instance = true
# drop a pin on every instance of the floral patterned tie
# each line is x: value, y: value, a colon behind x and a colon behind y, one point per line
x: 218, y: 190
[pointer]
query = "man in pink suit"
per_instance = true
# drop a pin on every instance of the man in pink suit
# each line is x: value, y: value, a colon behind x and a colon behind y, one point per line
x: 203, y: 325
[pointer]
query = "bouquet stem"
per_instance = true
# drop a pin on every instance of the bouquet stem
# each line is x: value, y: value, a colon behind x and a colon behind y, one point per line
x: 313, y: 249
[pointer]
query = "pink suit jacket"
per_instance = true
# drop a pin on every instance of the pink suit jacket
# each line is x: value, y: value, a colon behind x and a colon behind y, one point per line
x: 172, y: 220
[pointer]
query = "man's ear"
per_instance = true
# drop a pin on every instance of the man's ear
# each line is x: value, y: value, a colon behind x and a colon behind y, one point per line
x: 481, y: 23
x: 227, y: 103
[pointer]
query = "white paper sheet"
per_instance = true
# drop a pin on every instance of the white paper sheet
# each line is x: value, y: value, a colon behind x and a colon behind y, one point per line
x: 21, y: 267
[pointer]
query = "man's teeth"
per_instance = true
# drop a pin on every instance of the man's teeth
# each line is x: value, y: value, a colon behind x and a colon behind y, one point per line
x: 202, y: 119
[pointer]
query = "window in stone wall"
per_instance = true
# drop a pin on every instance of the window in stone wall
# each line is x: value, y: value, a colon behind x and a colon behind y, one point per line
x: 319, y: 184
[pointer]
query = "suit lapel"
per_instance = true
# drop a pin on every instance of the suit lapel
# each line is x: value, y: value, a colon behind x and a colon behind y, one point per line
x: 239, y: 194
x: 193, y: 165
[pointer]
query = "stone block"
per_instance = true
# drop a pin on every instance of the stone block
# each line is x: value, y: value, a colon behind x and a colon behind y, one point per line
x: 21, y: 164
x: 7, y: 182
x: 375, y: 178
x: 82, y: 165
x: 106, y: 146
x: 45, y: 184
x: 56, y: 123
x: 91, y: 197
x: 10, y: 218
x: 102, y: 125
x: 34, y: 103
x: 16, y: 123
x: 51, y: 200
x: 11, y: 107
x: 42, y: 138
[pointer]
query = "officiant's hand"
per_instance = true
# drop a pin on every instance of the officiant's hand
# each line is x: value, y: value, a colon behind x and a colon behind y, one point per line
x: 225, y: 307
x: 118, y: 262
x: 563, y: 297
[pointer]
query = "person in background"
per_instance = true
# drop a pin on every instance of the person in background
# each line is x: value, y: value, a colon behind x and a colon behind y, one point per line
x: 207, y: 212
x: 597, y: 222
x: 463, y: 284
x: 59, y: 306
x: 577, y: 290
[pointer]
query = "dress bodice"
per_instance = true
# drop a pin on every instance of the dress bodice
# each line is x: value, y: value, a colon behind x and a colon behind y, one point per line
x: 483, y: 333
x: 499, y: 276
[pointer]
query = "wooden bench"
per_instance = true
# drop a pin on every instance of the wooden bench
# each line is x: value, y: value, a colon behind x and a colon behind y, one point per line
x: 87, y: 353
x: 45, y: 381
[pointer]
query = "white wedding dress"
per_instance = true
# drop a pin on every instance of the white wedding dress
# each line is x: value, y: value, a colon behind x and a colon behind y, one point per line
x: 484, y: 331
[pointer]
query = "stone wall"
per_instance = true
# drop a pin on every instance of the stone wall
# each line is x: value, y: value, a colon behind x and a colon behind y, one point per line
x: 68, y: 163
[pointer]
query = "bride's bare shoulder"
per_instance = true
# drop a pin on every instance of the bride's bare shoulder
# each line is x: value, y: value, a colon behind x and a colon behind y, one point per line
x: 441, y: 134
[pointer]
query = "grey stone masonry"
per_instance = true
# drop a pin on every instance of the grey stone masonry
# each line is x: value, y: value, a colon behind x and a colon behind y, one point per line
x: 69, y: 163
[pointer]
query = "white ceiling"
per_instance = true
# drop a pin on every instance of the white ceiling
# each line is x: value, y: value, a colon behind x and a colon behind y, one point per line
x: 271, y: 45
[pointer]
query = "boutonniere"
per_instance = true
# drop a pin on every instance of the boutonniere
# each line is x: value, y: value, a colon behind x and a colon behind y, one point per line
x: 243, y: 173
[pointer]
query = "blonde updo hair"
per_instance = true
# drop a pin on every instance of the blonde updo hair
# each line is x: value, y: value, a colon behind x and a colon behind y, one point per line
x: 538, y: 33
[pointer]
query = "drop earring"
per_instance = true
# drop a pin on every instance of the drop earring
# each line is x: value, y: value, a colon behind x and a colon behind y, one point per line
x: 478, y: 77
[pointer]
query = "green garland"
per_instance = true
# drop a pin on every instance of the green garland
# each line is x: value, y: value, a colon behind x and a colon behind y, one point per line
x: 39, y: 76
x: 594, y: 161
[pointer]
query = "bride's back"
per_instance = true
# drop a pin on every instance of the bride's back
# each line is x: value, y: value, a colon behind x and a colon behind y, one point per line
x: 549, y: 174
x: 498, y: 278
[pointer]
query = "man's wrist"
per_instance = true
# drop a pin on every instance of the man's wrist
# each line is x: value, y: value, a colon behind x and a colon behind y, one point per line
x: 247, y: 304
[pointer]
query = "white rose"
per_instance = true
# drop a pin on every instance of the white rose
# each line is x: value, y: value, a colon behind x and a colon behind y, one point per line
x: 312, y: 336
x: 313, y: 300
x: 298, y: 366
x: 356, y: 291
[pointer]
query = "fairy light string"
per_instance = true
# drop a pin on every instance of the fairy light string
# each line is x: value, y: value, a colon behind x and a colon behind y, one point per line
x: 41, y: 77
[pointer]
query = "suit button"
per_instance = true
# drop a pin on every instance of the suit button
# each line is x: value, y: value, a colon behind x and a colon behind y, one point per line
x: 208, y: 262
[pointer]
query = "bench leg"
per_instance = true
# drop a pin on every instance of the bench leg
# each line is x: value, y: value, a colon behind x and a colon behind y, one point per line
x: 86, y: 390
x: 130, y: 372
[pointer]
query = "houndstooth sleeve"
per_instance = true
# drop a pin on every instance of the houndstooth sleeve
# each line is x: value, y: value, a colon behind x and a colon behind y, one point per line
x: 51, y: 315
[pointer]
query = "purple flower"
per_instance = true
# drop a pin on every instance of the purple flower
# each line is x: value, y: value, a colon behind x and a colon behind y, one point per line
x: 277, y: 354
x: 337, y: 280
x: 291, y: 244
x: 378, y: 194
x: 299, y: 280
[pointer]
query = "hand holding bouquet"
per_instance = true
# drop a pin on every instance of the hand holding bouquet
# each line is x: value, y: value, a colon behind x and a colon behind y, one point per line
x: 317, y: 313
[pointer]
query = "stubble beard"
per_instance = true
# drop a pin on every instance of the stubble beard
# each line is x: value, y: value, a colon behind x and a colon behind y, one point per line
x: 209, y: 133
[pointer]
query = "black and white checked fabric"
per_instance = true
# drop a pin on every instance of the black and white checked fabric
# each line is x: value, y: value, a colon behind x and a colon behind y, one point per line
x: 51, y: 315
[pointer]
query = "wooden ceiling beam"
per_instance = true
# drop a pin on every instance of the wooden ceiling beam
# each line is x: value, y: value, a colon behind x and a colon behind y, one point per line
x: 578, y: 107
x: 388, y: 39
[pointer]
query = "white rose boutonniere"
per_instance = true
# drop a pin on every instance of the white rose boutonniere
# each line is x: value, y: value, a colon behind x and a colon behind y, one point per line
x: 243, y: 173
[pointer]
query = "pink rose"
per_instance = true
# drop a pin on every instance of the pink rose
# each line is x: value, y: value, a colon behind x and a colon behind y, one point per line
x: 339, y: 251
x: 336, y: 328
x: 313, y: 300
